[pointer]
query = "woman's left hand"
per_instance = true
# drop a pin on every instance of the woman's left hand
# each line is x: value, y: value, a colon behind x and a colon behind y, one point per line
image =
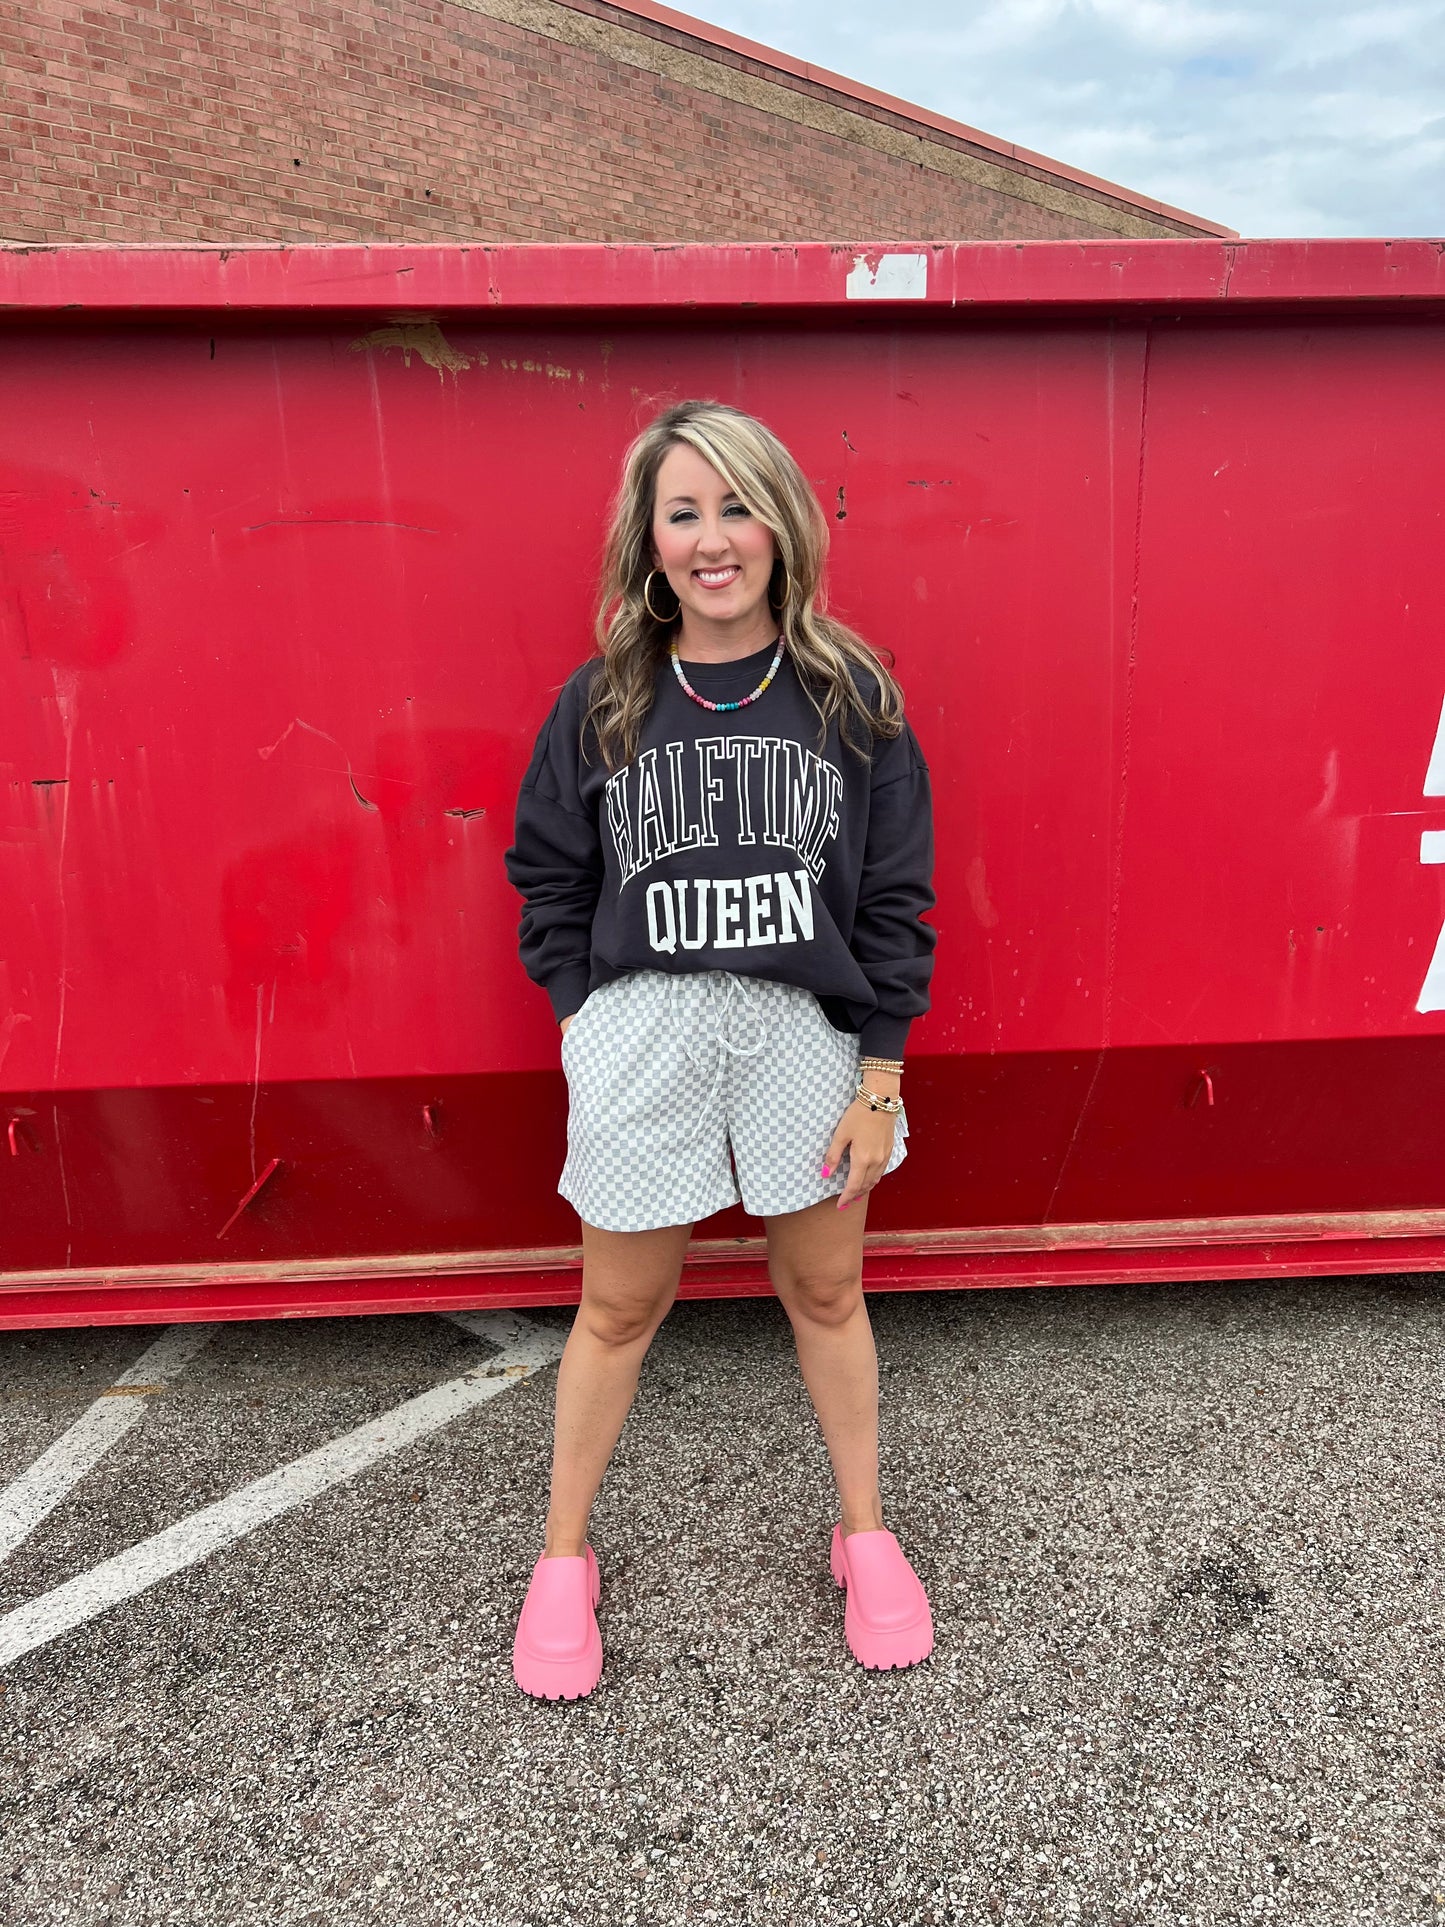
x: 867, y: 1136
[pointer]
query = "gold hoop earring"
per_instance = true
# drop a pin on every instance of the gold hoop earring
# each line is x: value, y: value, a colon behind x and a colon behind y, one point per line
x: 787, y: 591
x: 647, y: 599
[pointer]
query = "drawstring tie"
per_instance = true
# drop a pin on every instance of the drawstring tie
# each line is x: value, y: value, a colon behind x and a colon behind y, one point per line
x: 718, y: 1034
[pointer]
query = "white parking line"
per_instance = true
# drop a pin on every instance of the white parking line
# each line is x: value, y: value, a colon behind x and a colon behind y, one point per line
x: 527, y: 1348
x: 504, y: 1328
x: 37, y: 1492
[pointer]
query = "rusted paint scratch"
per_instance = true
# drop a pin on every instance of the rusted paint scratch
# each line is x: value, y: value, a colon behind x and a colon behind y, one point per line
x: 418, y: 335
x: 335, y: 522
x: 1074, y: 1136
x: 267, y: 751
x: 270, y: 1170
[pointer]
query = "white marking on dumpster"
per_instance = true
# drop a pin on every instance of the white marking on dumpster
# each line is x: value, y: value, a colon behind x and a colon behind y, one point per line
x: 61, y: 1467
x: 888, y: 277
x: 1435, y: 772
x: 1432, y: 850
x: 526, y: 1349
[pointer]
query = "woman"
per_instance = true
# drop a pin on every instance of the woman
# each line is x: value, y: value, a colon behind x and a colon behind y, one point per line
x: 724, y: 844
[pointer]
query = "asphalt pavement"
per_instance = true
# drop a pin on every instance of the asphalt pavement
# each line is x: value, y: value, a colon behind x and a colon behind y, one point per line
x: 1183, y: 1545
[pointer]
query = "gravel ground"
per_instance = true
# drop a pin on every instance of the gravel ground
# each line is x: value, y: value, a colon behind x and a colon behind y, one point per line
x: 1183, y: 1548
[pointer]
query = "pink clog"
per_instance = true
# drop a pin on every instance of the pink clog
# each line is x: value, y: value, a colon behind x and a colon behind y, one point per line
x: 887, y: 1621
x: 557, y: 1653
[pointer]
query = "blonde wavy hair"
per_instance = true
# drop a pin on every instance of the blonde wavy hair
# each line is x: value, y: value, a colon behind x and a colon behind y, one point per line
x: 762, y: 473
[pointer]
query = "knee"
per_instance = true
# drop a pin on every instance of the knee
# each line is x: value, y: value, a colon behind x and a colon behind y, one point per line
x: 822, y: 1298
x: 620, y: 1322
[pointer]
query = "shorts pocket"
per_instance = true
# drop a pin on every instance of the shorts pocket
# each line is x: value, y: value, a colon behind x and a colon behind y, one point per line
x: 579, y: 1017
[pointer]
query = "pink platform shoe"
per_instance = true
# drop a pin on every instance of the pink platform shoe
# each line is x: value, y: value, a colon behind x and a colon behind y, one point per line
x: 887, y: 1621
x: 557, y: 1654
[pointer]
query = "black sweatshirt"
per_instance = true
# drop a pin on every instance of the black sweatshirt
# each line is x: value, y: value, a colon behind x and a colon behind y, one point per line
x: 731, y: 842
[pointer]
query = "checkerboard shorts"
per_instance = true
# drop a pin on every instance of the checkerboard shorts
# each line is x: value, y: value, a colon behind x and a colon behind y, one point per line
x: 696, y: 1090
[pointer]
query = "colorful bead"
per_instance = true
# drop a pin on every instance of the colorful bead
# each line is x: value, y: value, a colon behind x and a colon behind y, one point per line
x: 743, y: 701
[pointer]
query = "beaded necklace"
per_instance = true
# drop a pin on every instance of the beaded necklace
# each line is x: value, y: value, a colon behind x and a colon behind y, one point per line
x: 742, y: 701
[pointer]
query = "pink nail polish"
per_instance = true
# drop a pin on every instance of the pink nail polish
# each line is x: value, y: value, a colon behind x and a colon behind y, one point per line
x: 827, y: 1170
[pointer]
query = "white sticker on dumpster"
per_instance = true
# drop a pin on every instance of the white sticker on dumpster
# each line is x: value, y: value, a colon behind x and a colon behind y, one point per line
x: 889, y: 277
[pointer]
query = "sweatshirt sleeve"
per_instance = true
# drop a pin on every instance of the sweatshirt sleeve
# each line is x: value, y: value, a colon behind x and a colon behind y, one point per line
x: 893, y: 945
x: 556, y: 863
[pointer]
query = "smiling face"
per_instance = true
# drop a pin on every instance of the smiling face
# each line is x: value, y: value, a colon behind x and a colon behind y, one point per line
x: 715, y: 554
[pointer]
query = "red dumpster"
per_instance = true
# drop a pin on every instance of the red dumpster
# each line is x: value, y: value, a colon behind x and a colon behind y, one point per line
x: 296, y: 545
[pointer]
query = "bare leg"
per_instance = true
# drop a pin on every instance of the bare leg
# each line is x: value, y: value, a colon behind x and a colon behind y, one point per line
x: 815, y: 1259
x: 629, y: 1281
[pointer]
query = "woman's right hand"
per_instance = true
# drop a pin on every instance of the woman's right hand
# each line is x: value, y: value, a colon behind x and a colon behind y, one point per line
x: 565, y: 1022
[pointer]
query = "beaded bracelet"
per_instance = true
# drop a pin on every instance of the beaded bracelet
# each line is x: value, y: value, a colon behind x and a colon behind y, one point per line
x: 875, y: 1101
x: 881, y: 1064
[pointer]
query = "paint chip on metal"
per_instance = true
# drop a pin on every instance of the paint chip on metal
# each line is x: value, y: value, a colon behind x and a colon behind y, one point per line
x: 888, y: 277
x: 417, y: 335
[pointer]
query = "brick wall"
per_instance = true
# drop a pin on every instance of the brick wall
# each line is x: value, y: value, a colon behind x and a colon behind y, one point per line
x: 489, y: 120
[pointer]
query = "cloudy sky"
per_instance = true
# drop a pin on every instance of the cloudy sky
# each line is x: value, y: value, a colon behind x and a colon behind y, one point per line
x: 1287, y: 117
